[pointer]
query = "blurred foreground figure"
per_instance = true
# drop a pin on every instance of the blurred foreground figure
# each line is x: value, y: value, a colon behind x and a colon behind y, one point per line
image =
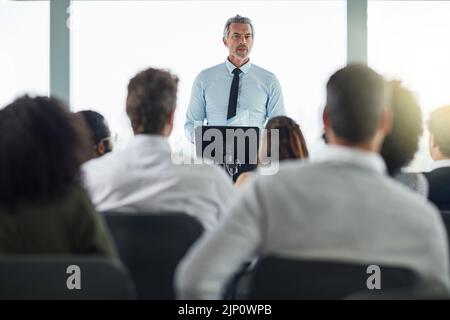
x: 341, y: 207
x: 43, y: 209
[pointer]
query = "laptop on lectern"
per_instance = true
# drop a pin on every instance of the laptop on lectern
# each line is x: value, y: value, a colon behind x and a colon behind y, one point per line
x: 235, y: 148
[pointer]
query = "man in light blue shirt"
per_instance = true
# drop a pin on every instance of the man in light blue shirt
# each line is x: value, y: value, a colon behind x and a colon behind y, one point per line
x: 222, y: 95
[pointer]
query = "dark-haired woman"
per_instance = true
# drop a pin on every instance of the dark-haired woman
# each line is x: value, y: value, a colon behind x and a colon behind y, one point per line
x: 43, y: 209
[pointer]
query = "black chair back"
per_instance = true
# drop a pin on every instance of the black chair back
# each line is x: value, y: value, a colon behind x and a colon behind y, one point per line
x: 51, y: 277
x: 151, y: 246
x: 284, y: 278
x: 446, y: 218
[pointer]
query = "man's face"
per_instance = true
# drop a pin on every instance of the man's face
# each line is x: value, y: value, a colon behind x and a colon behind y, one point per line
x: 240, y: 40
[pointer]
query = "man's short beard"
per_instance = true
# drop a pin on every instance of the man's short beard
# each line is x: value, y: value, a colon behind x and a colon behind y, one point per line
x: 242, y: 56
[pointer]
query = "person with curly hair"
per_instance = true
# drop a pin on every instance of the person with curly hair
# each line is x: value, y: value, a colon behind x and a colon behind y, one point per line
x: 401, y: 144
x: 43, y: 208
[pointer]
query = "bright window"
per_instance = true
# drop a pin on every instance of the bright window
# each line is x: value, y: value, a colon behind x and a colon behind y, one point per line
x: 408, y: 40
x: 302, y: 42
x: 24, y: 49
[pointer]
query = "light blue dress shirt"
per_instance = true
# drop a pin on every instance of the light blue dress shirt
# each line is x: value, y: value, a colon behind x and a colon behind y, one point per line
x: 259, y: 98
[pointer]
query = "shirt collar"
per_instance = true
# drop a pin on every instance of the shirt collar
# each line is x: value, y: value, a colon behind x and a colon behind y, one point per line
x: 353, y: 156
x: 440, y: 164
x: 150, y: 140
x: 245, y: 68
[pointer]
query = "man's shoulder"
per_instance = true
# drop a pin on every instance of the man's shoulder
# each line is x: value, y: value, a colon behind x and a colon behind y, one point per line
x: 397, y: 195
x: 302, y: 167
x: 212, y: 70
x: 207, y: 171
x: 405, y: 195
x: 318, y: 172
x: 263, y: 72
x: 107, y: 162
x: 319, y: 176
x: 287, y: 170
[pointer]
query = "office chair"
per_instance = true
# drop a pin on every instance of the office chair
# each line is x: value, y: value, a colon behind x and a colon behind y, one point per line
x: 287, y: 278
x: 151, y: 245
x: 49, y: 277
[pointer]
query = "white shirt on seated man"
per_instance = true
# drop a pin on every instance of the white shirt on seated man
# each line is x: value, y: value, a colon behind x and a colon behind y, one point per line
x: 142, y: 177
x: 340, y: 207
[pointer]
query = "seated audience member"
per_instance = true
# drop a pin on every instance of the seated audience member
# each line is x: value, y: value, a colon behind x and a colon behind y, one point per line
x: 43, y: 208
x: 292, y: 144
x: 100, y: 133
x: 439, y: 177
x: 143, y: 177
x: 401, y: 144
x: 342, y: 206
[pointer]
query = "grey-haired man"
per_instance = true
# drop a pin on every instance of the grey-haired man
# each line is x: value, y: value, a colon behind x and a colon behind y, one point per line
x: 235, y: 92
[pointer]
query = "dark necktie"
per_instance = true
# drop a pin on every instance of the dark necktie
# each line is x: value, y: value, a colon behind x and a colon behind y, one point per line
x: 232, y: 103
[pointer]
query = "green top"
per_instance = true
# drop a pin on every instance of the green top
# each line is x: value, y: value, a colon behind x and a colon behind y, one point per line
x: 66, y: 225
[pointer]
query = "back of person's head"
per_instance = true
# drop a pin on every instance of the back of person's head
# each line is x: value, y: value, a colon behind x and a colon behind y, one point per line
x: 100, y: 132
x: 355, y: 103
x: 151, y: 101
x: 292, y: 144
x: 41, y: 148
x: 402, y: 142
x: 439, y: 127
